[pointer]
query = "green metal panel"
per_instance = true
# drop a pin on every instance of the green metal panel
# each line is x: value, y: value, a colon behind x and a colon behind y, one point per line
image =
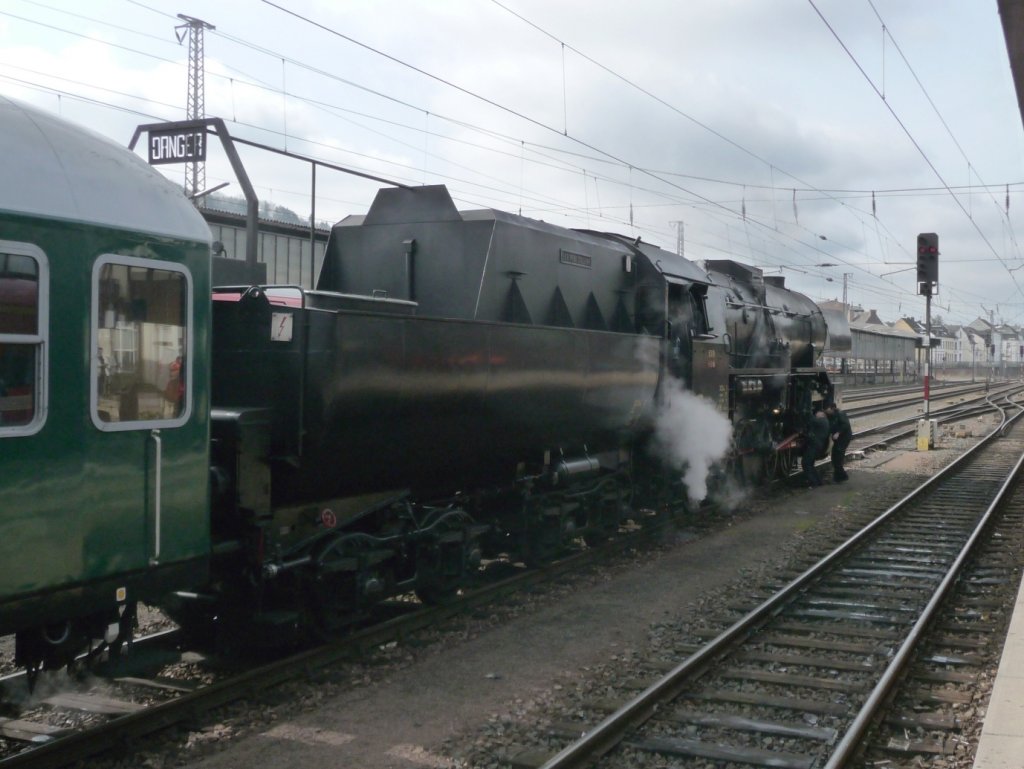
x: 76, y: 503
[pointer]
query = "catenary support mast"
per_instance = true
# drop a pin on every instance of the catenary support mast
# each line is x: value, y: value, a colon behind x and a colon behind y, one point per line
x: 195, y: 108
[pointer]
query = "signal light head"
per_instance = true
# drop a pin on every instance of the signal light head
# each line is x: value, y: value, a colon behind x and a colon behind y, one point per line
x: 928, y: 243
x: 927, y: 262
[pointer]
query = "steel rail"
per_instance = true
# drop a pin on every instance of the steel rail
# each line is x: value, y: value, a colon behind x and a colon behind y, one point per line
x: 850, y: 743
x: 946, y: 414
x: 156, y: 639
x: 125, y: 729
x: 613, y: 729
x: 864, y: 411
x: 914, y: 393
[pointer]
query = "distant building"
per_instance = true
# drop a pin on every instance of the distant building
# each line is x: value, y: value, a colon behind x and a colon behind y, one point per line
x: 972, y: 347
x: 947, y: 344
x: 996, y: 347
x: 943, y: 341
x: 1010, y: 344
x: 285, y: 251
x: 867, y: 318
x: 879, y: 352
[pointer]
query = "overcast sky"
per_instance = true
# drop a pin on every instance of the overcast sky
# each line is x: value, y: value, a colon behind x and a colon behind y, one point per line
x: 757, y: 127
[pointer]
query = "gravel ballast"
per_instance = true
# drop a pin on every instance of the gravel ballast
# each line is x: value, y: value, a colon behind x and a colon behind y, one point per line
x: 473, y: 692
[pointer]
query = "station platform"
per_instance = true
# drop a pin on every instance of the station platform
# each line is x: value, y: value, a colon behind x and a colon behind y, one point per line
x: 1001, y: 744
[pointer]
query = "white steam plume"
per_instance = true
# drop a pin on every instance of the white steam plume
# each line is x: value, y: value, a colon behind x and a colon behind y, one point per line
x: 690, y: 434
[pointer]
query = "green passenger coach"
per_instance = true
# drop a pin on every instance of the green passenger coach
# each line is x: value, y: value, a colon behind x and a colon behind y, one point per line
x: 104, y: 388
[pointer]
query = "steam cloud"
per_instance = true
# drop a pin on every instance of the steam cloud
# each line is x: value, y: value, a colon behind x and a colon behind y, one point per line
x: 690, y: 435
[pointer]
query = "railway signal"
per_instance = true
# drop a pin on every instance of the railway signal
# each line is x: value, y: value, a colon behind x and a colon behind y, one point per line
x: 927, y: 263
x: 927, y: 285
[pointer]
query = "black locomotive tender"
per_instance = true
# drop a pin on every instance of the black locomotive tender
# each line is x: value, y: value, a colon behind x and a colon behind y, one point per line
x: 464, y: 384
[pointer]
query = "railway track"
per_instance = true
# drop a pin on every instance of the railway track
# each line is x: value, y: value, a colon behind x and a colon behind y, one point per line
x: 882, y: 403
x: 72, y: 720
x: 880, y: 436
x: 935, y: 714
x: 912, y: 391
x: 120, y: 709
x: 800, y: 678
x: 787, y: 464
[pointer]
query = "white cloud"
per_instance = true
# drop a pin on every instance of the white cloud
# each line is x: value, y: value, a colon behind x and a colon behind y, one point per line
x: 770, y: 77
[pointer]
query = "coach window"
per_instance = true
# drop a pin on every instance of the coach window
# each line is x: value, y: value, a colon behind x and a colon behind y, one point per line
x: 141, y: 343
x: 23, y: 327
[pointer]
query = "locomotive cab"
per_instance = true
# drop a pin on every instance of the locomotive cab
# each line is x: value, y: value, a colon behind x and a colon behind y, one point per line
x: 688, y: 326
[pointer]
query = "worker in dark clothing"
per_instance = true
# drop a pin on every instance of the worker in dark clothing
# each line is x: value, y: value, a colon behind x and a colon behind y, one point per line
x: 839, y: 427
x: 815, y: 441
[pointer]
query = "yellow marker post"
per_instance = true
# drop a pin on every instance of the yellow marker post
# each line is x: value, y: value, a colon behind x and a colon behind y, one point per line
x: 926, y: 431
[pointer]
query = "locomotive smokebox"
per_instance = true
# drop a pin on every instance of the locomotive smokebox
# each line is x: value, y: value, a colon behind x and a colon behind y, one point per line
x: 769, y: 325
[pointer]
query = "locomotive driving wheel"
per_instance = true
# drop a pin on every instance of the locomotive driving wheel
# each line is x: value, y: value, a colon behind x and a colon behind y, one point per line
x: 785, y: 463
x: 772, y: 462
x: 753, y: 466
x: 758, y: 457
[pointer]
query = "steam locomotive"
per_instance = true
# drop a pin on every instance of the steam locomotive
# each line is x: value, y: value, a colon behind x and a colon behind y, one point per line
x: 459, y: 385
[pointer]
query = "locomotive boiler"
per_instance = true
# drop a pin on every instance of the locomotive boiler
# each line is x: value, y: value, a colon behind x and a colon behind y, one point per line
x: 773, y: 337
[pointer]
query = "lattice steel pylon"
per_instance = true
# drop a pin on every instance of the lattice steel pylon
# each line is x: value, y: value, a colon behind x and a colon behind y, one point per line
x: 680, y: 243
x: 195, y: 109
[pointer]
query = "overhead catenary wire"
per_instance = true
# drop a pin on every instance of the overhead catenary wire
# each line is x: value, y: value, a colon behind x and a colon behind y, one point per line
x: 516, y: 113
x: 946, y: 186
x: 913, y: 141
x: 483, y: 99
x: 524, y: 149
x: 947, y: 189
x: 279, y: 91
x: 949, y: 131
x: 826, y: 192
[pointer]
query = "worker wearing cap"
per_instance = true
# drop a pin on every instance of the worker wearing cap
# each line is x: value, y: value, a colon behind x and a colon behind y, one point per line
x: 842, y: 432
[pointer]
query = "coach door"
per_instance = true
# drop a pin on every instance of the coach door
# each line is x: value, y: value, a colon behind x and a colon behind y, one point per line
x: 140, y: 384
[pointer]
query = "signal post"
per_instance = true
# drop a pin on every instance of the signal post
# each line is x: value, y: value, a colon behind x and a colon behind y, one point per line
x: 927, y: 284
